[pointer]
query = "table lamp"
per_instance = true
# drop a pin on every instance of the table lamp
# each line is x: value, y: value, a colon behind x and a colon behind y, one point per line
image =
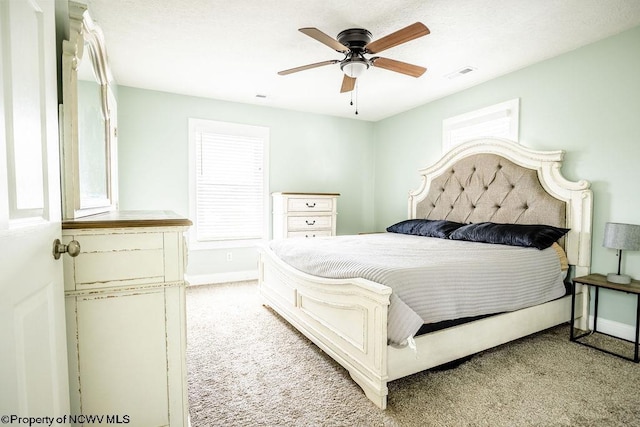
x: 621, y: 237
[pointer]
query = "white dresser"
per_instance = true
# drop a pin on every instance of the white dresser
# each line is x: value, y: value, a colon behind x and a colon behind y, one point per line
x: 126, y: 324
x: 304, y: 214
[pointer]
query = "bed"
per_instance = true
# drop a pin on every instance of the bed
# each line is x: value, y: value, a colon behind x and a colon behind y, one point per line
x: 486, y: 180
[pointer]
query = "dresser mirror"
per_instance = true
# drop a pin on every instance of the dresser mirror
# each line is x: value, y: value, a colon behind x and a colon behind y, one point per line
x: 88, y: 120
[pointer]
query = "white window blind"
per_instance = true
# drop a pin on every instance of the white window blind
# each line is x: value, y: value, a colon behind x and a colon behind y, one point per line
x: 498, y: 121
x: 229, y: 182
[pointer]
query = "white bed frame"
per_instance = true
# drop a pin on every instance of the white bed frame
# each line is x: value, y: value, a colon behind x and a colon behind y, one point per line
x: 348, y: 318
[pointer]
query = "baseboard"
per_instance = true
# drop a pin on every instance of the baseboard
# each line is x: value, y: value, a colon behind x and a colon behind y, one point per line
x: 617, y: 329
x: 233, y: 276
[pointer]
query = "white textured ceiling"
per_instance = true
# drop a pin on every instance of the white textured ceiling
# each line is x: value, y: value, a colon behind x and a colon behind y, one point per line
x: 232, y: 50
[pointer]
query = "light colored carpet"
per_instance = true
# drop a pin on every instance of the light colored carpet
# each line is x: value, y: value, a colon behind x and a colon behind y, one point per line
x: 249, y: 367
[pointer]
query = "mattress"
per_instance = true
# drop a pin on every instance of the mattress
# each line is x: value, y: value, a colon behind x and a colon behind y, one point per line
x: 432, y: 279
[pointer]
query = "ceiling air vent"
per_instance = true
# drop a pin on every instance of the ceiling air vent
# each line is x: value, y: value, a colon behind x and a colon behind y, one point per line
x: 460, y: 72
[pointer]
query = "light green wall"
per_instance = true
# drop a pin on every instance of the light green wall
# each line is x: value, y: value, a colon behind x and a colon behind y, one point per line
x: 308, y: 152
x: 586, y: 102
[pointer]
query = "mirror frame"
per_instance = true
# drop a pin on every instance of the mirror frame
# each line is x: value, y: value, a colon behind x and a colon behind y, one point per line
x: 85, y: 34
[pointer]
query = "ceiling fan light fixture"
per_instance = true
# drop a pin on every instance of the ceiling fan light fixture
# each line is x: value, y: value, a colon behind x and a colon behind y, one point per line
x: 355, y: 43
x: 354, y: 67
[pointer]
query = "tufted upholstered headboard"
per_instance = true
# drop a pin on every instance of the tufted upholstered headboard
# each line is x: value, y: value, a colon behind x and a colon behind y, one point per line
x: 501, y: 181
x: 488, y: 187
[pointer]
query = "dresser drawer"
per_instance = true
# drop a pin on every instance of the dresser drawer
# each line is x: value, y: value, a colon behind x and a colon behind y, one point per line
x: 124, y: 259
x: 304, y: 214
x: 102, y: 267
x: 310, y: 204
x: 309, y: 233
x: 317, y: 222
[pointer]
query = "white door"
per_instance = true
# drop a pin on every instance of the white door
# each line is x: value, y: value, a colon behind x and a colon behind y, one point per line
x: 33, y: 356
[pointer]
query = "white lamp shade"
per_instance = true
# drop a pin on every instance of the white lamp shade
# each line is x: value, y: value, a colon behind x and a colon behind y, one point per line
x: 622, y: 236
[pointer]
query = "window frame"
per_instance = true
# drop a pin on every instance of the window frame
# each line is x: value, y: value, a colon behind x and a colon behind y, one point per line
x: 510, y: 109
x: 198, y: 126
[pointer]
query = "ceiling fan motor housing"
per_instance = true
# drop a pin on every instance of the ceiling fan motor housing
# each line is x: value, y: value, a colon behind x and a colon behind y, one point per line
x: 355, y: 39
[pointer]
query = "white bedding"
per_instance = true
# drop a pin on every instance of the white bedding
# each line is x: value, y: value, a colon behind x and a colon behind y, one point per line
x: 432, y: 279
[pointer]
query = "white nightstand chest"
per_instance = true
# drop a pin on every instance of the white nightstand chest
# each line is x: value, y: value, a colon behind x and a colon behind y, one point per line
x: 304, y: 214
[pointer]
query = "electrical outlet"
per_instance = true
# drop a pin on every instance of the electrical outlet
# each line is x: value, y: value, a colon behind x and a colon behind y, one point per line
x: 229, y: 256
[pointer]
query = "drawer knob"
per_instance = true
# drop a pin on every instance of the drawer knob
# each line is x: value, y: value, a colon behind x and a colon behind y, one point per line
x: 310, y: 222
x: 73, y: 248
x: 310, y: 205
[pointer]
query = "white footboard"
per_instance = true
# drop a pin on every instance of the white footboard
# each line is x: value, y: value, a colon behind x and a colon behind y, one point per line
x: 348, y: 320
x: 345, y: 318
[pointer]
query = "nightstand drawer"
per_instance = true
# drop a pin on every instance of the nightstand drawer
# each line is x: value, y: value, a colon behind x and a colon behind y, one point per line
x: 310, y: 204
x: 318, y: 222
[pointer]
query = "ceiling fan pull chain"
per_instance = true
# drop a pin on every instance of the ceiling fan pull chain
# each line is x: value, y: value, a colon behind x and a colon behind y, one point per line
x: 356, y: 98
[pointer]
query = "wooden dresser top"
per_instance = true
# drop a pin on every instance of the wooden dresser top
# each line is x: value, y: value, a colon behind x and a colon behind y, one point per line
x: 124, y: 219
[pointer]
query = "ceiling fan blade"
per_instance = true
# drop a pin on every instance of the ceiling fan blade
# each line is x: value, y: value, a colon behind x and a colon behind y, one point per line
x: 348, y: 83
x: 307, y: 67
x: 404, y: 35
x: 398, y: 66
x: 325, y: 39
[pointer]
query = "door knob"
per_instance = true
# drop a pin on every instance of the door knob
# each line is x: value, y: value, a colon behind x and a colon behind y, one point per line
x: 73, y: 248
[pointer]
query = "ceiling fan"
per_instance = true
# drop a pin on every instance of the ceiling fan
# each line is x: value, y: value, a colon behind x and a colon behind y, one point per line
x: 355, y: 43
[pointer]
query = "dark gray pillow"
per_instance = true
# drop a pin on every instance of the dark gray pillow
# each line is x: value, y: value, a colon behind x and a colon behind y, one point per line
x: 425, y: 227
x: 527, y: 235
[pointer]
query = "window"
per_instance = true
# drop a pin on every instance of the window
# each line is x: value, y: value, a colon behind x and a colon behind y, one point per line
x: 498, y: 121
x: 229, y: 183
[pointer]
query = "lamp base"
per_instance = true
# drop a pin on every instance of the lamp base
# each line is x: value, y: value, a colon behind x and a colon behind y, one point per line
x: 621, y: 279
